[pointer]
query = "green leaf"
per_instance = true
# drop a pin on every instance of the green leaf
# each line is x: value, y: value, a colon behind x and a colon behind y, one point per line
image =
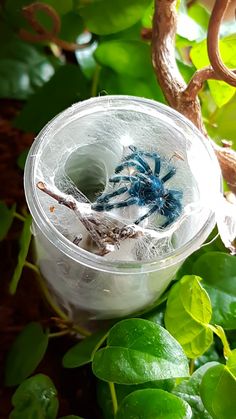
x: 134, y: 57
x: 104, y: 16
x: 231, y: 362
x: 155, y: 404
x: 85, y: 56
x: 67, y: 86
x: 71, y: 26
x: 24, y: 243
x: 104, y: 394
x: 117, y: 84
x: 23, y: 67
x: 219, y: 272
x: 221, y: 91
x: 138, y: 351
x: 188, y: 314
x: 83, y: 352
x: 26, y: 353
x: 218, y: 389
x: 22, y: 159
x: 199, y: 14
x: 189, y: 390
x: 35, y: 398
x: 224, y: 122
x: 6, y: 218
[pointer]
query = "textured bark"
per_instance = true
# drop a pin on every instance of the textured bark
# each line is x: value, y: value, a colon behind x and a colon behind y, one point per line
x: 184, y: 97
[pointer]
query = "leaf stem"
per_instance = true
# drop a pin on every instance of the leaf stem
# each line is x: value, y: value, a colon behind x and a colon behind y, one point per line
x: 19, y: 216
x: 94, y: 88
x: 51, y: 302
x: 113, y: 396
x: 191, y: 366
x: 58, y: 334
x: 219, y: 331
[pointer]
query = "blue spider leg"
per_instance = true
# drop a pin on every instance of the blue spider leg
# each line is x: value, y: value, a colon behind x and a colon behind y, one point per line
x: 169, y: 175
x: 144, y: 178
x: 152, y: 210
x: 140, y: 160
x: 118, y: 178
x: 122, y: 166
x: 106, y: 196
x: 156, y: 158
x: 109, y: 207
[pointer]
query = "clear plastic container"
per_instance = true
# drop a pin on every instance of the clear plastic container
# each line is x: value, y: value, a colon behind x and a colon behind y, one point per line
x: 80, y: 148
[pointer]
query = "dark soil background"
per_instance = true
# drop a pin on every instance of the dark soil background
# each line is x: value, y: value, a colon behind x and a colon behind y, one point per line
x: 76, y: 387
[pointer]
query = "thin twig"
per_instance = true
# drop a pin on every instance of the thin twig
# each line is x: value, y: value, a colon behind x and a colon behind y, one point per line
x: 43, y: 34
x: 213, y: 42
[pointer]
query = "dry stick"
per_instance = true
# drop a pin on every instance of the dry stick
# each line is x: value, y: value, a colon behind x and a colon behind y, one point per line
x: 183, y: 97
x: 42, y: 34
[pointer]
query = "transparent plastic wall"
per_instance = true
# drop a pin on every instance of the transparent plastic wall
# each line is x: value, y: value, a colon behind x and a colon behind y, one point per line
x: 77, y: 152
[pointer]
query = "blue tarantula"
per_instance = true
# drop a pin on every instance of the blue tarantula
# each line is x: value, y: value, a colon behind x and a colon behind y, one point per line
x: 144, y: 187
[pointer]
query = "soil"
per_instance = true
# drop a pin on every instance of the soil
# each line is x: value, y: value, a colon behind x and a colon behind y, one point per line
x: 76, y: 388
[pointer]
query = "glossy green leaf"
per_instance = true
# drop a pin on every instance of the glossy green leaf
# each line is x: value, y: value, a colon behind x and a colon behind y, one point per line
x: 25, y: 354
x: 138, y: 351
x: 104, y: 16
x: 220, y: 91
x: 23, y: 67
x: 67, y: 86
x: 85, y: 56
x: 155, y: 404
x: 188, y: 314
x: 35, y: 398
x: 219, y: 272
x: 218, y: 389
x: 134, y: 57
x: 104, y: 394
x: 231, y: 362
x: 83, y: 352
x: 6, y: 218
x: 24, y: 244
x: 189, y: 390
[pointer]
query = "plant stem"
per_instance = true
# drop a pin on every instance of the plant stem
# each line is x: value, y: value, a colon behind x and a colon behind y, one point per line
x: 58, y: 334
x: 113, y: 397
x: 95, y: 81
x: 50, y: 301
x: 45, y: 291
x: 81, y: 330
x: 191, y: 366
x: 19, y: 216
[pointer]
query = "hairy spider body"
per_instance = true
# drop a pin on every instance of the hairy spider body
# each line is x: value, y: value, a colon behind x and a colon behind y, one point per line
x: 146, y: 188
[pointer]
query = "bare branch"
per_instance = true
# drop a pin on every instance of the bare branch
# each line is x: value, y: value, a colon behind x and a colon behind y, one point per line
x: 180, y: 96
x: 213, y: 45
x: 164, y: 62
x: 42, y: 34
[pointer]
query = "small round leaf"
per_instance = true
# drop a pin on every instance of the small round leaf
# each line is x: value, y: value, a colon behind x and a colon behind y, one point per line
x: 155, y: 404
x: 25, y: 354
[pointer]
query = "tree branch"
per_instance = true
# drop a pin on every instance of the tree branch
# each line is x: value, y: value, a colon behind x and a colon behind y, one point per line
x: 213, y: 43
x: 164, y: 62
x: 183, y: 97
x: 42, y: 34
